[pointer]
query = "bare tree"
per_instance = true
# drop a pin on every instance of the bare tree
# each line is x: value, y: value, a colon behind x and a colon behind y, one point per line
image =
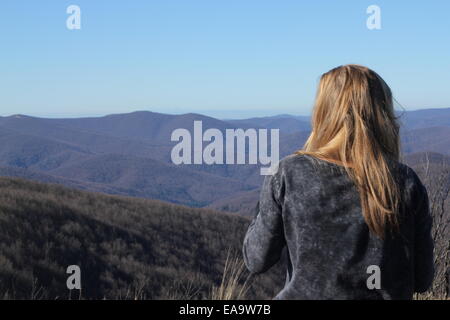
x: 436, y: 177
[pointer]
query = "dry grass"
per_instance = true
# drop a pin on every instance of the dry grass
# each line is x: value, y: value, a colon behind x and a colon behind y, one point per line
x: 234, y: 284
x: 230, y: 287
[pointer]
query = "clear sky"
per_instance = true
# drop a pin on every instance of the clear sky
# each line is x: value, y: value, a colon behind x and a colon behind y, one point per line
x: 226, y: 58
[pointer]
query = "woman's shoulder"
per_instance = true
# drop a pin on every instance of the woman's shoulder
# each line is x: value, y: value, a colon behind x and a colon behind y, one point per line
x: 297, y: 160
x: 408, y: 178
x: 295, y: 163
x: 294, y: 160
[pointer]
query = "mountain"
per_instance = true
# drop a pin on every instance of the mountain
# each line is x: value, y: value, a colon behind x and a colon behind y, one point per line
x: 42, y: 177
x: 285, y: 123
x: 434, y: 139
x: 20, y: 127
x: 130, y: 154
x: 243, y: 203
x: 419, y: 119
x: 151, y: 127
x: 148, y: 178
x: 125, y: 247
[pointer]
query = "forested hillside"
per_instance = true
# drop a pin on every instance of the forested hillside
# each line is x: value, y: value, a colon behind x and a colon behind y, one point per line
x: 125, y: 247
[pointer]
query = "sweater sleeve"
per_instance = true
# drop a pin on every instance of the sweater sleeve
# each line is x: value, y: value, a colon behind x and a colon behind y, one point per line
x: 264, y: 240
x: 423, y: 244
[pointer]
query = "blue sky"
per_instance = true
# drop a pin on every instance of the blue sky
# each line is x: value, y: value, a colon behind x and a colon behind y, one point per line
x: 223, y: 58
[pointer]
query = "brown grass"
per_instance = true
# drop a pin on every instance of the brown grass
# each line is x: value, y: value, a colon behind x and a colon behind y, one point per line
x: 231, y: 286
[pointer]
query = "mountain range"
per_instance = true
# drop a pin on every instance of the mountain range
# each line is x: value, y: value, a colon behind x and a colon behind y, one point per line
x: 129, y: 154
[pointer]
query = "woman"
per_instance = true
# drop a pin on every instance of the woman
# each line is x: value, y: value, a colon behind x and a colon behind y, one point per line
x: 354, y: 220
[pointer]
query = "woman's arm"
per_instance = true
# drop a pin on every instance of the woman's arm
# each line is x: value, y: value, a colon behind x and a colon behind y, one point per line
x: 264, y: 240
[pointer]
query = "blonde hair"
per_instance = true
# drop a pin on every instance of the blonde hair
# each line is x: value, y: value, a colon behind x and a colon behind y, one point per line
x: 354, y: 124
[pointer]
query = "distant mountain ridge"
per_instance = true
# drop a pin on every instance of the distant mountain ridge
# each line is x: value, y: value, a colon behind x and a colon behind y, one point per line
x: 129, y: 154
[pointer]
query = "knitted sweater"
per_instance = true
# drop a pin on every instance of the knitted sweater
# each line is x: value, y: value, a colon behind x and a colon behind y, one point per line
x: 312, y: 208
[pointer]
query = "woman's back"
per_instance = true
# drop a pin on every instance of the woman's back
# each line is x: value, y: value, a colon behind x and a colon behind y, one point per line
x: 313, y: 208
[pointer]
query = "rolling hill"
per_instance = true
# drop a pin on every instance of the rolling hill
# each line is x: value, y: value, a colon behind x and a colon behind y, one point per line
x: 148, y: 178
x: 432, y: 139
x: 126, y: 247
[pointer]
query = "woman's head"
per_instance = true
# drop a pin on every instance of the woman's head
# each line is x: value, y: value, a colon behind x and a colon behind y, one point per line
x: 354, y: 123
x: 353, y: 105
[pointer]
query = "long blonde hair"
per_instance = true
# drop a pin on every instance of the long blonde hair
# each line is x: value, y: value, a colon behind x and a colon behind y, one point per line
x: 354, y: 124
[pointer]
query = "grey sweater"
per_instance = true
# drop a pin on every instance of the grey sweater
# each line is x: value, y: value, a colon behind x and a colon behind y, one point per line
x: 312, y: 208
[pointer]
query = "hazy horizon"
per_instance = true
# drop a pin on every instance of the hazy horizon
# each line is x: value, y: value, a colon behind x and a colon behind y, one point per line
x: 218, y: 114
